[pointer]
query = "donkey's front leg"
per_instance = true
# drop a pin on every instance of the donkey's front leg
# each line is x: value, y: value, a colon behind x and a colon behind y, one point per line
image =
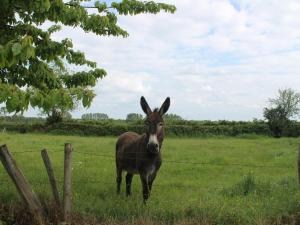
x: 146, y: 191
x: 151, y: 179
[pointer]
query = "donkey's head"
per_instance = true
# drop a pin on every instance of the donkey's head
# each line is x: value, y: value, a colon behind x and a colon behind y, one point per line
x: 155, y: 124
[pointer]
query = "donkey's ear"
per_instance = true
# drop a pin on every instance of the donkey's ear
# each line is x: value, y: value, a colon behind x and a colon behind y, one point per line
x: 145, y: 106
x: 165, y: 106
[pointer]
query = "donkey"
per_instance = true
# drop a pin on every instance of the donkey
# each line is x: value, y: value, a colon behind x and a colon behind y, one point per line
x: 141, y: 154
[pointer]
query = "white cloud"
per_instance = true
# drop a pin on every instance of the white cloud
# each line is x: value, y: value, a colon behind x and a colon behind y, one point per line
x: 215, y: 58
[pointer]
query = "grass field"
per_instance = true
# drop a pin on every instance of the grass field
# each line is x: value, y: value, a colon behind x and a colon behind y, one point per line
x: 242, y: 180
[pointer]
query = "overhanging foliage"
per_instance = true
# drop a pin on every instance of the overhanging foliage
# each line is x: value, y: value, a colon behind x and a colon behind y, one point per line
x: 30, y: 58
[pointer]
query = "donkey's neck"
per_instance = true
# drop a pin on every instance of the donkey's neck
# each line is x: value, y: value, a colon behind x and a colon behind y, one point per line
x: 144, y: 140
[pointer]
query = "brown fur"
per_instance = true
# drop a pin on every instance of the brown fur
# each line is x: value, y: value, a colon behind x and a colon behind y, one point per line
x: 135, y: 155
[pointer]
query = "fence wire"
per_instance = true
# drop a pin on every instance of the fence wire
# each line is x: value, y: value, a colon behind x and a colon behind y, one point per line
x: 35, y: 151
x: 191, y: 163
x: 95, y: 181
x: 179, y: 186
x: 166, y: 161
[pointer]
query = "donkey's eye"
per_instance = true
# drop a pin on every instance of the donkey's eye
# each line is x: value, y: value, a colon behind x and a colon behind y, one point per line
x: 160, y: 124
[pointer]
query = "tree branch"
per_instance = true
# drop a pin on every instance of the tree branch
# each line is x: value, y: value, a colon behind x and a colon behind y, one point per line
x: 88, y: 7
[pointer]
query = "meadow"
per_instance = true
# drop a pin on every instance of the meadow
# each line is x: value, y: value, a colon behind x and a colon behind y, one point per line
x: 203, y: 180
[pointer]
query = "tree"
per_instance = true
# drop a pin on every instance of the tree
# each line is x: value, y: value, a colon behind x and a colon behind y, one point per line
x: 288, y: 100
x: 101, y: 116
x: 58, y: 111
x: 29, y: 56
x: 282, y: 109
x: 277, y: 122
x: 3, y: 111
x: 172, y: 117
x: 67, y: 116
x: 132, y: 117
x: 87, y: 116
x: 95, y: 116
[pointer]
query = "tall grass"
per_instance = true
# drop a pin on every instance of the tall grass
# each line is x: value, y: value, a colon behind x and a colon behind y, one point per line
x: 223, y: 191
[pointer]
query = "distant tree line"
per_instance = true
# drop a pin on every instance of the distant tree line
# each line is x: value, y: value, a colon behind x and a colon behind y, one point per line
x: 280, y: 120
x: 3, y: 111
x: 131, y: 117
x: 172, y: 117
x: 111, y: 127
x: 95, y: 116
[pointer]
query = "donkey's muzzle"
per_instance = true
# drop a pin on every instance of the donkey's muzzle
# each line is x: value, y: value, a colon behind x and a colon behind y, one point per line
x: 153, y: 148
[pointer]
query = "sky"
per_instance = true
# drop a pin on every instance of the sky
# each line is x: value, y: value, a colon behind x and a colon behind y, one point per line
x: 215, y: 59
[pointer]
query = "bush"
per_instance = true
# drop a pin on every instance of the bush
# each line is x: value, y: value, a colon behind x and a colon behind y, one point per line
x: 23, y: 129
x: 116, y: 127
x: 293, y: 130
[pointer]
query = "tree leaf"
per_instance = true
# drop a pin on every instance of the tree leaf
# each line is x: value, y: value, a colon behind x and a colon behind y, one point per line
x: 16, y: 48
x: 32, y: 62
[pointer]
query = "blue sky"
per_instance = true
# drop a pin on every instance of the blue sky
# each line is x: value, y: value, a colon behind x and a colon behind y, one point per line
x: 216, y: 59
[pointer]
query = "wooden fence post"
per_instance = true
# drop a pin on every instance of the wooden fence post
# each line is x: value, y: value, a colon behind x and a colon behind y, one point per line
x: 67, y: 182
x: 51, y: 176
x: 22, y: 185
x: 299, y: 165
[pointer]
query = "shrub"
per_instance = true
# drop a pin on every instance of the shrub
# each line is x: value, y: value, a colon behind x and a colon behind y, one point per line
x: 116, y: 127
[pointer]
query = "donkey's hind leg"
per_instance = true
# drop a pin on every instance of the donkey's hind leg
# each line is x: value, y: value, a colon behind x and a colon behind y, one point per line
x: 119, y: 180
x: 128, y: 183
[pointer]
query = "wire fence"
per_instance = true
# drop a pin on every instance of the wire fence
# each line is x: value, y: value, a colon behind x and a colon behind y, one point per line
x: 92, y: 180
x: 96, y: 154
x: 191, y: 162
x: 84, y: 182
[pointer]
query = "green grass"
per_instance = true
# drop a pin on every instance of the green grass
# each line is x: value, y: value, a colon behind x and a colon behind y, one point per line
x: 213, y: 193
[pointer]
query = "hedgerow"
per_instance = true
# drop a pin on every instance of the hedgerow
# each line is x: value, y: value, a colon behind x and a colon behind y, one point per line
x: 173, y: 128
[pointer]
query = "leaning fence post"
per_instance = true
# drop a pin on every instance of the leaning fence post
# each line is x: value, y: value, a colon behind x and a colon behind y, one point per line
x: 67, y: 182
x: 22, y: 185
x: 299, y: 166
x: 51, y: 176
